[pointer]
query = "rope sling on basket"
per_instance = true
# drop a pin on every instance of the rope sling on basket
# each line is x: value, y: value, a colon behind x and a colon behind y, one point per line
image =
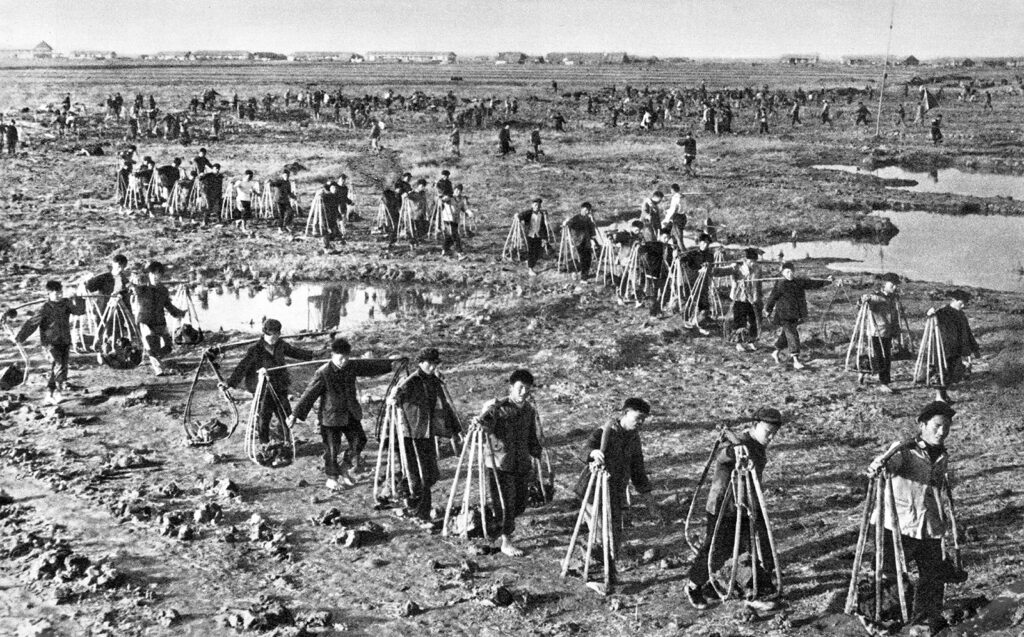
x: 541, y: 488
x: 118, y: 337
x: 228, y: 202
x: 696, y: 490
x: 475, y: 451
x: 676, y: 290
x: 153, y: 197
x: 830, y: 311
x: 84, y: 328
x: 595, y: 509
x: 316, y: 222
x: 199, y: 433
x: 10, y: 375
x: 606, y: 260
x: 279, y: 449
x: 383, y: 222
x: 434, y: 224
x: 634, y: 277
x: 515, y: 242
x: 702, y: 285
x: 861, y: 355
x: 264, y: 205
x: 135, y: 195
x: 879, y: 504
x: 744, y: 491
x: 188, y: 331
x: 904, y: 346
x: 568, y: 255
x: 406, y: 226
x: 931, y: 367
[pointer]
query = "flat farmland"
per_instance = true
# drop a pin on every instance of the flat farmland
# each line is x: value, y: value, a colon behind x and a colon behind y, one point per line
x: 67, y: 467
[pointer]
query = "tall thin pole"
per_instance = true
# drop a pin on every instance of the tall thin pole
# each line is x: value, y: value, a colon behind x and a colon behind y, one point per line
x: 885, y: 72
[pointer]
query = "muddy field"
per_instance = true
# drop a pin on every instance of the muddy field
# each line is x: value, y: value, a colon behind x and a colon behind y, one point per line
x: 186, y: 541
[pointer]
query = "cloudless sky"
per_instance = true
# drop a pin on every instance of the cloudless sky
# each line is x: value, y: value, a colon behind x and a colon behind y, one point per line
x: 688, y: 28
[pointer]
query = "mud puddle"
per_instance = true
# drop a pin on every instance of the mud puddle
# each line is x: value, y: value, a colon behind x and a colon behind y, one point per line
x: 946, y: 180
x: 319, y: 306
x: 971, y: 250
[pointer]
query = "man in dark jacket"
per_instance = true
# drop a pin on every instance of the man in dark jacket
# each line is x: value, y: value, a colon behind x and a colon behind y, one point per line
x: 535, y: 225
x: 755, y: 441
x: 211, y: 191
x: 109, y: 284
x: 505, y: 141
x: 284, y: 200
x: 882, y: 328
x: 788, y: 302
x: 957, y: 341
x: 583, y: 234
x: 616, y: 447
x: 271, y: 351
x: 427, y: 415
x: 334, y: 384
x: 511, y: 425
x: 54, y: 324
x: 153, y: 300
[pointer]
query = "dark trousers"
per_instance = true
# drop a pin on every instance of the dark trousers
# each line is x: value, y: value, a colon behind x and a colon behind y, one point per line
x: 534, y: 247
x: 421, y: 458
x: 744, y: 315
x: 513, y: 492
x: 331, y: 437
x: 420, y: 227
x: 720, y: 548
x: 655, y: 284
x: 788, y: 337
x: 451, y: 237
x: 881, y: 348
x: 285, y: 213
x: 270, y: 408
x: 158, y: 340
x: 58, y: 366
x: 586, y: 252
x: 927, y: 555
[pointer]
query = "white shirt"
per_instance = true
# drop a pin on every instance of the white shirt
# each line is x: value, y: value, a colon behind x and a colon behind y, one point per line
x: 246, y: 189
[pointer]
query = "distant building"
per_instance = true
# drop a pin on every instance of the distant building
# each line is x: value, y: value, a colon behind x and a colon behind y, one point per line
x: 92, y: 55
x: 268, y: 56
x: 800, y: 58
x: 965, y: 62
x: 572, y: 59
x: 221, y: 55
x: 863, y: 60
x: 910, y: 60
x: 41, y: 51
x: 411, y: 57
x: 511, y: 57
x: 173, y: 55
x: 325, y: 56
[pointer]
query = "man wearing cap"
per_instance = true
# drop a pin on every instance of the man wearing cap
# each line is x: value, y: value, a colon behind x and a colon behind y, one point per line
x: 443, y: 186
x: 746, y: 295
x: 449, y: 209
x: 695, y: 260
x: 883, y: 327
x: 269, y: 352
x: 767, y: 422
x: 919, y: 471
x: 787, y: 306
x: 512, y: 426
x: 957, y: 341
x: 535, y: 224
x: 583, y: 234
x: 427, y: 414
x: 334, y: 384
x: 650, y: 214
x: 616, y: 448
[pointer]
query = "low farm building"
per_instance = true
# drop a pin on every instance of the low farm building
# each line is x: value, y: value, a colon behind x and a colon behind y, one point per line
x: 221, y: 55
x: 41, y: 51
x: 325, y: 56
x: 800, y: 58
x: 411, y: 57
x: 92, y: 55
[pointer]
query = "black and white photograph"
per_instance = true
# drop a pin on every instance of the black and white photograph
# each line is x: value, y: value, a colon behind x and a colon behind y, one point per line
x: 511, y: 317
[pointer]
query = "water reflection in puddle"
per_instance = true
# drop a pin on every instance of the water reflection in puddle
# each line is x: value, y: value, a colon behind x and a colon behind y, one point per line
x: 947, y: 180
x: 320, y: 306
x: 972, y: 250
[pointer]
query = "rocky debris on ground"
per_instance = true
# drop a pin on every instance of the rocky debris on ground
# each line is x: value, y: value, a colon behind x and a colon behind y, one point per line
x: 222, y: 488
x: 168, y: 617
x: 276, y: 454
x: 409, y: 609
x: 270, y: 539
x: 365, y: 534
x: 266, y: 614
x: 35, y: 628
x: 169, y: 490
x: 496, y: 595
x: 330, y: 517
x: 129, y: 459
x: 5, y: 498
x: 208, y: 512
x: 209, y: 431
